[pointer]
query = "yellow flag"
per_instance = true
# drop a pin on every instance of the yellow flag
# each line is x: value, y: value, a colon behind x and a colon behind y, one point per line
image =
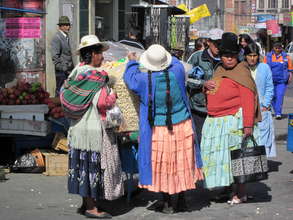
x: 198, y: 13
x: 182, y: 7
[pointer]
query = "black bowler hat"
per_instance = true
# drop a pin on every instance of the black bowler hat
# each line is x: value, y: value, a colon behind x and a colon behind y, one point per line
x: 229, y: 44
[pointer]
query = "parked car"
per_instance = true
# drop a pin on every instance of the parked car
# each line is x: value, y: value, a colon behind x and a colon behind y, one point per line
x: 289, y: 50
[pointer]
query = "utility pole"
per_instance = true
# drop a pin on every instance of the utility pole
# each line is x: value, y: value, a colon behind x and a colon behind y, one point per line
x: 218, y: 14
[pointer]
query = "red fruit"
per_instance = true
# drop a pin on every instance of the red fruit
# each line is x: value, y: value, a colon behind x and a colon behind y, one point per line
x: 56, y: 115
x: 17, y: 102
x: 12, y: 96
x: 17, y: 92
x: 51, y: 105
x: 24, y: 102
x: 47, y: 101
x: 61, y: 114
x: 35, y: 101
x: 46, y: 94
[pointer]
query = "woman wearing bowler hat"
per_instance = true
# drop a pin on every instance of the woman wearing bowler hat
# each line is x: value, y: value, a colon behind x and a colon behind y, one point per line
x: 94, y: 164
x: 233, y: 110
x: 169, y: 157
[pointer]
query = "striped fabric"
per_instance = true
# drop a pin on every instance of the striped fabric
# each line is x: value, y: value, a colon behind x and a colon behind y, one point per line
x: 78, y: 93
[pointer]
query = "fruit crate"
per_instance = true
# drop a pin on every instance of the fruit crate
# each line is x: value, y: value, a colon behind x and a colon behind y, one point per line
x: 55, y: 164
x: 25, y: 112
x: 24, y: 119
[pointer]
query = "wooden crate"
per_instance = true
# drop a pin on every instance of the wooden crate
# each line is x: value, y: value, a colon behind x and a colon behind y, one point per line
x: 55, y: 164
x: 60, y: 142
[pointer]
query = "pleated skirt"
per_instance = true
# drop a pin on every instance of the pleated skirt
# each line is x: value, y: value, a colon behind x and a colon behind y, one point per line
x: 173, y: 159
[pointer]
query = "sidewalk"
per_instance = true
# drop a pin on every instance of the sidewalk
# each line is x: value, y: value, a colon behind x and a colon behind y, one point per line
x: 38, y: 197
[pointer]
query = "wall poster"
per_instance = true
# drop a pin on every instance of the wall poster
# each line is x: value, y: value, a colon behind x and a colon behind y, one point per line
x: 23, y: 27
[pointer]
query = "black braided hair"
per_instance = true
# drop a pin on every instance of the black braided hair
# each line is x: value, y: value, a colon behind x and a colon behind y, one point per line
x: 86, y: 53
x: 150, y: 101
x: 168, y: 102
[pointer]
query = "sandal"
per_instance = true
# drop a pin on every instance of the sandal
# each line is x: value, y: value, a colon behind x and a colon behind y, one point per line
x: 236, y: 201
x: 102, y: 215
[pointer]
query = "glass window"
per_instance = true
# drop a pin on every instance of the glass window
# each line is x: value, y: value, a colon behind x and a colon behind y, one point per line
x: 285, y: 3
x: 273, y: 4
x: 261, y: 4
x: 84, y: 18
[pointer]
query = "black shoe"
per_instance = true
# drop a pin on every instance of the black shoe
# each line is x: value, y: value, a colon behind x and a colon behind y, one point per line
x: 81, y: 210
x: 168, y: 209
x: 278, y: 117
x: 103, y: 215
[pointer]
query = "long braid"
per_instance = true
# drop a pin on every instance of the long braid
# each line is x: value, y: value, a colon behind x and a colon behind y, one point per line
x: 150, y: 101
x: 168, y: 102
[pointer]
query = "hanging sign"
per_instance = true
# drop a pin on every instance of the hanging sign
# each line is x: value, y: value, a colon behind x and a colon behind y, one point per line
x: 198, y: 13
x: 22, y: 27
x: 272, y: 25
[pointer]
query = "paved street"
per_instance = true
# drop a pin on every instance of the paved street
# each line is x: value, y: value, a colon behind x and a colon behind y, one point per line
x: 37, y: 197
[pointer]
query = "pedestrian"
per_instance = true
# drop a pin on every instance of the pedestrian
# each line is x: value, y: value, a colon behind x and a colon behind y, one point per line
x: 200, y: 44
x: 133, y: 39
x: 94, y: 164
x: 205, y: 61
x: 262, y: 75
x: 61, y: 53
x: 244, y: 40
x: 282, y: 67
x: 169, y: 157
x: 233, y: 110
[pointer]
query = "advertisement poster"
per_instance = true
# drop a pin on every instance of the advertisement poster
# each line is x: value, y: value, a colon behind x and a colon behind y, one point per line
x: 22, y: 27
x: 273, y: 26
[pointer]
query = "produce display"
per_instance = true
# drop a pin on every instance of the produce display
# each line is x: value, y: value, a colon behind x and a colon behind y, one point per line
x: 128, y: 102
x: 23, y: 94
x: 55, y: 109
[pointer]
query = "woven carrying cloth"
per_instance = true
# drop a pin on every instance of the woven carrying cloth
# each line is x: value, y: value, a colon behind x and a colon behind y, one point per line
x: 80, y: 88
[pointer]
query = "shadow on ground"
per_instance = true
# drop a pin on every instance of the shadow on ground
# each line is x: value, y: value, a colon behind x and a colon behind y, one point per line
x: 274, y: 165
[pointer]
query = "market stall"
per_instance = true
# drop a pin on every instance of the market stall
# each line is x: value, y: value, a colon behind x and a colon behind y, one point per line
x: 162, y: 24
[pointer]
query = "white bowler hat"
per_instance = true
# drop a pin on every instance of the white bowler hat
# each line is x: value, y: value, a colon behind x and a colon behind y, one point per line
x: 155, y: 58
x: 90, y: 40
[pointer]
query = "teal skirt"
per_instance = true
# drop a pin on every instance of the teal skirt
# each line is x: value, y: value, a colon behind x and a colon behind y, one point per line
x: 220, y: 135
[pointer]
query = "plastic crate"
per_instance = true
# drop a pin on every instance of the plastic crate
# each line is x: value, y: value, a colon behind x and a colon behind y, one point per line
x: 290, y: 133
x: 24, y: 112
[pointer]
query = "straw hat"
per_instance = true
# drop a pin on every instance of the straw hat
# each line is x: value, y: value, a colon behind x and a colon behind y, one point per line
x: 90, y: 40
x: 156, y: 58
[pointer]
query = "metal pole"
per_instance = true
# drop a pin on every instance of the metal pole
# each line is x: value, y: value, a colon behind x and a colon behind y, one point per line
x: 218, y: 14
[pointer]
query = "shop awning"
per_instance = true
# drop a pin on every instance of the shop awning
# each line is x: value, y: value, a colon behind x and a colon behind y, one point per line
x: 23, y: 10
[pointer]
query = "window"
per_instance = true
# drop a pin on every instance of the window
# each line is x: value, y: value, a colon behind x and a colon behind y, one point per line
x: 273, y: 4
x: 285, y: 3
x: 261, y: 4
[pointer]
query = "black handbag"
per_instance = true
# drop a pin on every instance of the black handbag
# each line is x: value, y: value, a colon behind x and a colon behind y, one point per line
x: 249, y: 164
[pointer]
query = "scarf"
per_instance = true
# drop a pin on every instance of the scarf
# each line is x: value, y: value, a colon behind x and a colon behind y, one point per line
x: 79, y: 90
x: 241, y: 74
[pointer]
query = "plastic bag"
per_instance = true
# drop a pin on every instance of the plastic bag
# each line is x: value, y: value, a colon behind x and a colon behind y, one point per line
x: 114, y: 117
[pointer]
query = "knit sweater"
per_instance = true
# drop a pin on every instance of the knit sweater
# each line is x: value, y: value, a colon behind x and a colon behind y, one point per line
x: 229, y: 98
x: 179, y: 111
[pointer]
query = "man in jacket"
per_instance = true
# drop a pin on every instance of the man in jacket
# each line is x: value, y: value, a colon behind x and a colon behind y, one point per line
x: 282, y: 68
x: 61, y: 53
x: 203, y: 63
